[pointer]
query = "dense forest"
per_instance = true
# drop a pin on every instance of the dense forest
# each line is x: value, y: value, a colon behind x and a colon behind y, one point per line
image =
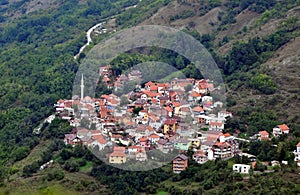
x: 37, y: 68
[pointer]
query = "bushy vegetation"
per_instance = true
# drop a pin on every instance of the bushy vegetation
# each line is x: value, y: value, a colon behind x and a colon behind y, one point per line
x: 37, y: 68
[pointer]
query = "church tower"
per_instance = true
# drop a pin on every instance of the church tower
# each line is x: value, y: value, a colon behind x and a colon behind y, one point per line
x: 82, y: 88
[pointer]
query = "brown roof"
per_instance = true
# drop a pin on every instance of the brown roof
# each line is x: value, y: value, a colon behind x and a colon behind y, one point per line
x: 182, y: 156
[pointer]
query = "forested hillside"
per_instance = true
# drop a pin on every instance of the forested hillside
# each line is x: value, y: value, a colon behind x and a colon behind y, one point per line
x: 254, y: 42
x: 255, y: 45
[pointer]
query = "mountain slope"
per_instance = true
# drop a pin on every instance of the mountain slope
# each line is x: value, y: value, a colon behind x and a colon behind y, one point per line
x: 234, y: 24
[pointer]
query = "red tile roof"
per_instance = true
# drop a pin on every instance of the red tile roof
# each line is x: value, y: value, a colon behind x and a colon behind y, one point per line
x: 169, y: 109
x: 264, y: 133
x: 170, y: 122
x: 194, y: 94
x: 99, y: 138
x: 117, y: 153
x: 154, y: 136
x: 143, y: 139
x: 176, y: 104
x: 119, y: 148
x: 219, y: 124
x: 283, y: 127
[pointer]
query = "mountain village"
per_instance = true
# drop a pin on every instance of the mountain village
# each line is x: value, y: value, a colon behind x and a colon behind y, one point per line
x: 170, y: 117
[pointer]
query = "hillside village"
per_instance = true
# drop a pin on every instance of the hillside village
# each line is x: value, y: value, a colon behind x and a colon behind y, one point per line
x: 169, y: 117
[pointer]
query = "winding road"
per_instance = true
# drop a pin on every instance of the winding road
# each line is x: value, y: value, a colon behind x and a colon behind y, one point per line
x: 89, y: 39
x: 98, y: 25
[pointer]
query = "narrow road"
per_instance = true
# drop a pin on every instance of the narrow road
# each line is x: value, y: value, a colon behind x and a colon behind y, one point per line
x: 89, y: 39
x: 89, y: 32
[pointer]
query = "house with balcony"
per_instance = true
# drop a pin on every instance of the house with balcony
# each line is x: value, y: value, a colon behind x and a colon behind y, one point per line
x: 165, y: 145
x: 170, y: 126
x: 222, y: 150
x: 118, y: 156
x: 200, y: 157
x: 241, y: 168
x: 141, y: 155
x: 182, y: 144
x: 180, y: 163
x: 297, y: 154
x: 280, y: 130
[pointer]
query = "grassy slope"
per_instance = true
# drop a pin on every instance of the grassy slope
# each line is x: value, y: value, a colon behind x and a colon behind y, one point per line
x: 72, y: 183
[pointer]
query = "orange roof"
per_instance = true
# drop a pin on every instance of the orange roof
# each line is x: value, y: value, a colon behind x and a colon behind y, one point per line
x: 140, y: 150
x: 216, y: 124
x: 264, y: 133
x: 119, y: 148
x: 116, y: 136
x: 113, y: 101
x: 106, y: 79
x: 283, y: 127
x: 222, y: 144
x: 153, y: 117
x: 172, y: 93
x: 176, y: 104
x: 169, y: 109
x: 153, y: 88
x: 149, y: 83
x: 298, y: 145
x: 154, y: 136
x: 117, y: 153
x: 95, y: 132
x: 227, y: 135
x: 99, y: 138
x: 133, y: 147
x: 194, y: 94
x: 143, y: 139
x: 153, y: 101
x: 89, y: 107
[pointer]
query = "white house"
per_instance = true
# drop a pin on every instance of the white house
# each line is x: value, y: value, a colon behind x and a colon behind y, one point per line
x: 280, y: 129
x: 141, y: 155
x: 241, y: 168
x: 297, y: 152
x: 207, y: 99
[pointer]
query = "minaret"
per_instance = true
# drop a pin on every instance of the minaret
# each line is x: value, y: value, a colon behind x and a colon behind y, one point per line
x: 82, y: 88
